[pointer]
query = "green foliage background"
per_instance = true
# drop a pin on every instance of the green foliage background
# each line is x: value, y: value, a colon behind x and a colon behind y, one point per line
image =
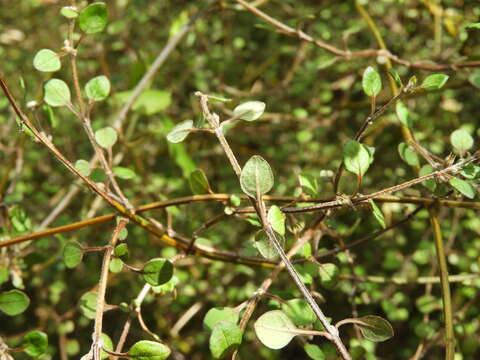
x: 315, y: 103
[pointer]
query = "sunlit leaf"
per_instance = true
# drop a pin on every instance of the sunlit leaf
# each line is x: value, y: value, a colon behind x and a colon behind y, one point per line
x: 272, y: 329
x: 250, y: 110
x: 106, y: 137
x: 13, y: 302
x: 180, y: 131
x: 93, y: 18
x: 47, y: 60
x: 157, y: 271
x: 35, y: 343
x: 434, y: 82
x: 72, y: 254
x: 216, y: 315
x: 149, y: 350
x: 463, y: 187
x: 224, y: 339
x: 56, y: 93
x: 98, y: 88
x: 371, y: 82
x: 375, y: 328
x: 276, y: 218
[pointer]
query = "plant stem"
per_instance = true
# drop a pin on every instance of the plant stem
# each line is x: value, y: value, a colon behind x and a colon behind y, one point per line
x: 446, y: 297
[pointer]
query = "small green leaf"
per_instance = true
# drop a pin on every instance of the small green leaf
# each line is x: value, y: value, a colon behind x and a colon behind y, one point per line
x: 276, y: 218
x: 35, y: 343
x: 309, y: 184
x: 463, y: 187
x: 461, y: 140
x: 72, y: 254
x: 256, y: 177
x: 430, y: 184
x: 106, y: 137
x: 371, y: 82
x: 377, y: 213
x: 98, y: 88
x: 272, y: 329
x: 83, y: 166
x: 470, y: 171
x: 250, y: 110
x: 408, y: 155
x: 13, y: 302
x: 88, y: 304
x: 474, y: 78
x: 70, y: 12
x: 264, y: 245
x: 180, y: 131
x: 116, y: 265
x: 56, y: 93
x: 225, y: 338
x: 198, y: 182
x: 314, y: 352
x: 149, y: 350
x: 121, y: 250
x: 124, y: 173
x: 107, y: 344
x: 375, y: 328
x: 46, y: 60
x: 403, y: 114
x: 356, y: 157
x: 434, y: 82
x: 216, y: 315
x: 427, y: 304
x: 328, y: 274
x: 299, y: 312
x: 93, y: 18
x: 394, y: 74
x: 157, y: 271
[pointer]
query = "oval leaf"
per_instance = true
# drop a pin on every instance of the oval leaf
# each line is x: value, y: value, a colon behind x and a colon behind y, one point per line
x: 328, y: 274
x: 35, y: 343
x: 216, y: 315
x: 149, y: 350
x: 272, y: 329
x: 93, y: 18
x: 46, y: 60
x: 371, y: 82
x: 98, y: 88
x: 70, y: 12
x: 434, y: 82
x: 72, y: 254
x: 157, y: 271
x: 463, y: 187
x: 276, y: 218
x: 461, y: 140
x: 225, y: 338
x: 83, y: 166
x: 256, y: 177
x: 356, y: 157
x: 124, y: 173
x: 180, y: 131
x: 13, y: 302
x: 106, y: 137
x: 265, y: 246
x: 88, y: 304
x: 375, y: 328
x: 250, y: 110
x: 198, y: 182
x: 56, y: 93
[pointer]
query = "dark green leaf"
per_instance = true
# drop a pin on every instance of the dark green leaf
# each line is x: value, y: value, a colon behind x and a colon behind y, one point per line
x: 375, y: 328
x: 35, y: 343
x: 157, y: 271
x: 314, y: 352
x: 199, y: 182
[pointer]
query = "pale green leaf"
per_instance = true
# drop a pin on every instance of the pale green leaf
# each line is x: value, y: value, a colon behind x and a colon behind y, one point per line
x: 224, y: 339
x: 434, y: 82
x: 56, y: 93
x: 274, y: 329
x: 149, y: 350
x: 250, y: 110
x: 371, y: 82
x: 256, y: 177
x: 106, y: 137
x: 98, y: 88
x: 46, y: 60
x: 180, y: 131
